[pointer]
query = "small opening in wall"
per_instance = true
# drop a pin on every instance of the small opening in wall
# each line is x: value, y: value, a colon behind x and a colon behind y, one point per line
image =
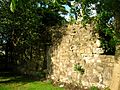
x: 111, y: 51
x: 107, y: 43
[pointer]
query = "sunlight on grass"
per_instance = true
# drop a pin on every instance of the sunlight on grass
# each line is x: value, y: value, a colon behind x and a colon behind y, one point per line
x: 33, y: 85
x: 29, y: 86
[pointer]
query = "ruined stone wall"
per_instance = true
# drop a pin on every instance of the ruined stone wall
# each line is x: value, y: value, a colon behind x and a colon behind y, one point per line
x: 80, y: 46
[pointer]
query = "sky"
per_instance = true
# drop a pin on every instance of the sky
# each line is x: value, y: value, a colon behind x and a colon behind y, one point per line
x: 67, y: 17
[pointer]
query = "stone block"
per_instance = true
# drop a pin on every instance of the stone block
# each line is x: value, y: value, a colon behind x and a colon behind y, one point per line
x: 98, y: 50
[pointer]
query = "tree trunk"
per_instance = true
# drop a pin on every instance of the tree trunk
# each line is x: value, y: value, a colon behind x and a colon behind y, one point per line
x: 115, y: 81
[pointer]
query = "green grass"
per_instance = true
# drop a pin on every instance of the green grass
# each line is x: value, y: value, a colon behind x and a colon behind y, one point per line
x: 18, y: 83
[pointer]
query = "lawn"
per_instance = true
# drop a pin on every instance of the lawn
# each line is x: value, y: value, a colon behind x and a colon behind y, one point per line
x: 20, y: 83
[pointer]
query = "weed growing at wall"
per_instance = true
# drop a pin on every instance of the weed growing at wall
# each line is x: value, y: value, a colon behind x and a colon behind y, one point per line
x: 79, y: 68
x: 94, y: 88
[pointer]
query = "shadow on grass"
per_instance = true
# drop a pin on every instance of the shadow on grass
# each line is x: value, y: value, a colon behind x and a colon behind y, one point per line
x: 7, y: 78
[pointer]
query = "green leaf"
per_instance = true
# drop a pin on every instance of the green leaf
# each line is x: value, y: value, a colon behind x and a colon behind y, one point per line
x: 13, y: 5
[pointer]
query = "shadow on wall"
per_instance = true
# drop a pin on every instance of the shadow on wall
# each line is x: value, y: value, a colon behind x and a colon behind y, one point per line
x: 57, y: 34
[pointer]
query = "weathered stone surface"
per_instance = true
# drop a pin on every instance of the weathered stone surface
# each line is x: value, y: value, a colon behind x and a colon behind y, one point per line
x: 81, y: 47
x: 115, y: 82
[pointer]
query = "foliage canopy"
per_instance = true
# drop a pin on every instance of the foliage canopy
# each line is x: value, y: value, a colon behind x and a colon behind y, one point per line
x: 26, y: 32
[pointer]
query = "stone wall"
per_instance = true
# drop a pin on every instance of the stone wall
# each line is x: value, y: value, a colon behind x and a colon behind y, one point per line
x: 80, y: 46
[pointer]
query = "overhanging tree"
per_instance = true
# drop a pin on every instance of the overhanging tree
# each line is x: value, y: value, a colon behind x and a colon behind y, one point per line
x: 27, y: 30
